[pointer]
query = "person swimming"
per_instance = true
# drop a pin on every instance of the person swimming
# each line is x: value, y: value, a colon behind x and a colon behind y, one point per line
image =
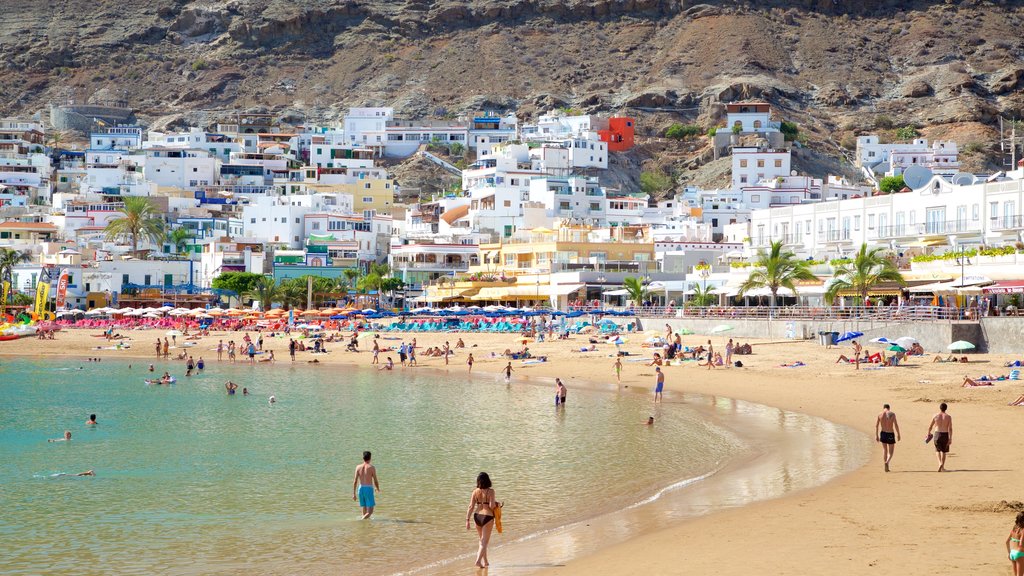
x: 231, y: 387
x: 271, y: 400
x: 91, y: 421
x: 66, y: 438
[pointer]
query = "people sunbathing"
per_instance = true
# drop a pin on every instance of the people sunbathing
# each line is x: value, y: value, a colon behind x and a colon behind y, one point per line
x: 970, y: 382
x: 1018, y: 402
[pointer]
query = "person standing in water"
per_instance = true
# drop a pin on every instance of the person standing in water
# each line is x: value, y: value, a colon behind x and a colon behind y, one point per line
x: 469, y: 362
x: 659, y: 385
x: 363, y: 485
x: 887, y: 431
x: 942, y: 423
x: 482, y: 507
x: 91, y: 421
x: 618, y: 369
x: 508, y: 373
x: 560, y: 392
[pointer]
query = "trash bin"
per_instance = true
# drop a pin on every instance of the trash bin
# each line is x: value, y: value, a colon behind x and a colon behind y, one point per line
x: 824, y: 338
x: 832, y: 337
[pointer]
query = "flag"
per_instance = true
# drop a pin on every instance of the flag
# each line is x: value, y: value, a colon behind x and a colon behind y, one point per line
x: 42, y: 295
x: 62, y: 290
x: 3, y: 301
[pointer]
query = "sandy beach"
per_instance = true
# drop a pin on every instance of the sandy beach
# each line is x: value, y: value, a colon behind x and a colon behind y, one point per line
x: 911, y: 520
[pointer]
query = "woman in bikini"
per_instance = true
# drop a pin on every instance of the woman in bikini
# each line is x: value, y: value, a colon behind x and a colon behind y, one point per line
x: 1013, y: 546
x: 481, y: 511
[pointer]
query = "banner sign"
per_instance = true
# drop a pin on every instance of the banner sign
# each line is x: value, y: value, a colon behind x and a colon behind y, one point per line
x: 62, y: 290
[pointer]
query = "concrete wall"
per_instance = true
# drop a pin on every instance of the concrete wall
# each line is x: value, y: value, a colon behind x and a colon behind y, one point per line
x: 997, y: 335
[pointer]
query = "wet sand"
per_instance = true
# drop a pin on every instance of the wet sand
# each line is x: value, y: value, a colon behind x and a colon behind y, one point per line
x: 909, y: 521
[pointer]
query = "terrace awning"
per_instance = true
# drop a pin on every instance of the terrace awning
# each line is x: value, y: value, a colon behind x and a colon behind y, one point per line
x: 1005, y: 287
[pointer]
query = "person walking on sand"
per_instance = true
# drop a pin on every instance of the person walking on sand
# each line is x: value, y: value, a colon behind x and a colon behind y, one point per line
x: 482, y: 511
x: 220, y: 350
x: 167, y: 348
x: 159, y: 347
x: 376, y: 352
x: 660, y: 385
x: 618, y: 369
x: 363, y: 485
x: 711, y: 355
x: 729, y: 347
x: 856, y: 354
x: 1013, y: 545
x: 469, y: 362
x: 508, y: 373
x: 942, y: 423
x: 887, y: 432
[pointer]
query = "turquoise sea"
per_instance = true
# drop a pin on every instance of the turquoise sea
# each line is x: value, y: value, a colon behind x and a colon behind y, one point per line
x: 192, y: 481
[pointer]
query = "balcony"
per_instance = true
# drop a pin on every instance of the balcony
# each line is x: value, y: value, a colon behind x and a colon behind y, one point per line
x: 459, y: 266
x: 834, y: 236
x: 935, y: 228
x: 1009, y: 222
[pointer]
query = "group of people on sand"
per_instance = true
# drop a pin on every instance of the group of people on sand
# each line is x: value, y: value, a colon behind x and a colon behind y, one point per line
x: 940, y: 433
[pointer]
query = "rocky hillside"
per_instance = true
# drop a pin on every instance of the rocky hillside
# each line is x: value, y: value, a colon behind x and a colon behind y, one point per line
x: 836, y: 67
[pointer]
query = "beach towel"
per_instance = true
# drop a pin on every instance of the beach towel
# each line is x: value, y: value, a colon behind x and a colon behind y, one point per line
x: 497, y: 519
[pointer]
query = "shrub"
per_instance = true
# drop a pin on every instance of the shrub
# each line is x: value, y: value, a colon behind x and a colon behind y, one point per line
x: 682, y: 132
x: 199, y: 65
x: 736, y: 129
x: 456, y: 149
x: 790, y: 130
x: 891, y: 184
x: 906, y: 133
x: 712, y: 131
x: 653, y: 183
x: 884, y: 122
x: 974, y: 148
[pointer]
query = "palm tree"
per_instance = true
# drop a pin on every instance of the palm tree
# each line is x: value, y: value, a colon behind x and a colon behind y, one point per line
x: 292, y: 292
x: 179, y: 238
x: 868, y: 268
x: 141, y: 218
x: 702, y: 296
x: 636, y: 289
x: 776, y: 269
x: 263, y: 290
x: 9, y: 258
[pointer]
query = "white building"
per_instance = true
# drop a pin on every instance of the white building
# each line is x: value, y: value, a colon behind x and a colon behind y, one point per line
x: 556, y: 125
x: 220, y: 146
x: 893, y: 158
x: 280, y: 220
x: 116, y: 138
x: 571, y: 197
x: 180, y: 168
x: 751, y: 165
x: 420, y: 263
x: 936, y: 214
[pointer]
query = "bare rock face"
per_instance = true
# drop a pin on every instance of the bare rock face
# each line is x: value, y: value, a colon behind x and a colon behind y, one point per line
x: 916, y: 89
x: 820, y: 63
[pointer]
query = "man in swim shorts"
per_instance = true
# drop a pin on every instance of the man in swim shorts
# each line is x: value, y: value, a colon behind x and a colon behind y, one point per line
x: 887, y: 431
x: 363, y: 484
x: 942, y: 423
x: 660, y: 385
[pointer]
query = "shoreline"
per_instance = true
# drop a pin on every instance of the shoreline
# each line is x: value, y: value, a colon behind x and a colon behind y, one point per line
x: 822, y: 389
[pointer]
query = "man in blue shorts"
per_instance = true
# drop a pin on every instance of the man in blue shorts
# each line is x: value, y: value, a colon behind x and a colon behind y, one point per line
x: 660, y: 385
x: 363, y: 485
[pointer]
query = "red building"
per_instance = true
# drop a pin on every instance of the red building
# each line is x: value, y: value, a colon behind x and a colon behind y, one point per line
x: 619, y: 134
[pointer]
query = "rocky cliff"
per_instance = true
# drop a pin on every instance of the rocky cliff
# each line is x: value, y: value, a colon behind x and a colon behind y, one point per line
x: 834, y: 66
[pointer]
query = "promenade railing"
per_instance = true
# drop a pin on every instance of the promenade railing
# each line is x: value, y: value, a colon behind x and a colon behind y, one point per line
x: 813, y: 313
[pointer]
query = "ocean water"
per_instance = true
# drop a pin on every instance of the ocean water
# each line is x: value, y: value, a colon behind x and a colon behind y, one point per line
x: 192, y: 481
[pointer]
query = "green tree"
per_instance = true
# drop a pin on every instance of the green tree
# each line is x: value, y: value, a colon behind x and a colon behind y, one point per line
x: 702, y: 295
x: 868, y: 268
x: 774, y: 269
x: 140, y: 219
x: 179, y: 238
x: 635, y: 289
x: 9, y: 258
x: 374, y: 279
x: 456, y: 149
x: 682, y: 132
x: 654, y: 183
x: 906, y: 133
x: 262, y: 289
x: 241, y: 283
x: 736, y: 128
x: 891, y: 184
x: 712, y: 131
x: 790, y: 130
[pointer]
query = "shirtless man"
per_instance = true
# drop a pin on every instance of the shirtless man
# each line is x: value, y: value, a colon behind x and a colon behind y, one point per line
x: 365, y: 481
x: 942, y: 423
x: 660, y: 385
x: 91, y: 421
x: 856, y: 354
x: 508, y: 373
x: 887, y: 431
x: 66, y: 438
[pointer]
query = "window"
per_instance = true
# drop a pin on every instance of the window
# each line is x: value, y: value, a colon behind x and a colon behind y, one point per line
x: 755, y: 198
x: 743, y: 163
x: 807, y: 227
x: 147, y: 280
x: 296, y: 220
x: 124, y: 279
x: 760, y: 163
x: 508, y: 203
x: 871, y: 221
x: 368, y: 199
x: 975, y: 209
x: 595, y: 207
x: 367, y: 186
x: 252, y: 220
x: 778, y: 163
x: 993, y: 210
x: 194, y: 169
x: 856, y: 223
x: 743, y: 179
x: 563, y: 205
x: 316, y: 225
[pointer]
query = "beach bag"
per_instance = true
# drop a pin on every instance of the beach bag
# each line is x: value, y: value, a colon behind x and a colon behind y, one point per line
x: 738, y: 364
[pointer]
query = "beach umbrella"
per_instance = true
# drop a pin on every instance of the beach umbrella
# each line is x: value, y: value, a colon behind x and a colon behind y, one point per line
x: 204, y: 316
x: 721, y: 328
x: 881, y: 340
x: 215, y: 312
x: 365, y: 335
x: 172, y: 333
x: 369, y: 311
x: 961, y: 345
x: 897, y: 348
x: 906, y: 341
x: 152, y: 315
x: 849, y: 336
x: 165, y: 308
